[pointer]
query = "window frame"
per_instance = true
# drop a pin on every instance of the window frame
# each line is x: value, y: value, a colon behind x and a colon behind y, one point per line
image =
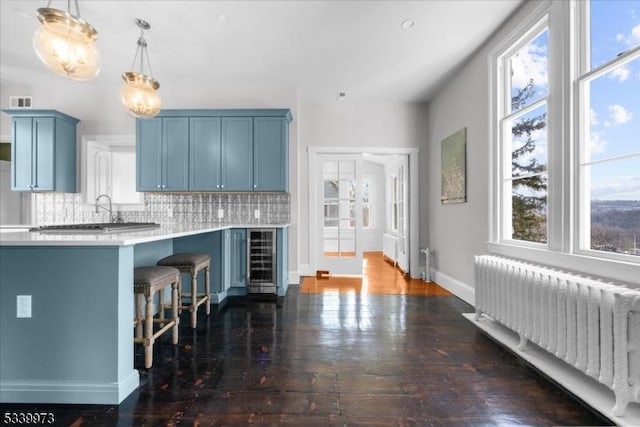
x: 583, y: 77
x: 566, y: 23
x: 501, y: 100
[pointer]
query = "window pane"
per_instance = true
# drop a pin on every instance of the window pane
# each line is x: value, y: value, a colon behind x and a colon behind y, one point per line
x: 615, y: 205
x: 529, y: 78
x: 529, y: 143
x: 615, y: 28
x: 365, y: 216
x: 614, y: 119
x: 529, y: 209
x: 330, y: 189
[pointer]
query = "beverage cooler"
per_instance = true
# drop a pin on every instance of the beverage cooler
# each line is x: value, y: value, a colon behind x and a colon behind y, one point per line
x: 261, y: 258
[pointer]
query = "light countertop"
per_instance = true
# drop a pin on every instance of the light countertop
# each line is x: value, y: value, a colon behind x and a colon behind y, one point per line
x: 12, y: 237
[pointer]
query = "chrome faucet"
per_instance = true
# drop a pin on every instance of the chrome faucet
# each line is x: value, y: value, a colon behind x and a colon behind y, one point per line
x: 99, y: 206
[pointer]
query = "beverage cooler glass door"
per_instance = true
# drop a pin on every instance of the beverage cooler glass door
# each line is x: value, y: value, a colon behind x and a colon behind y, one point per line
x: 262, y: 261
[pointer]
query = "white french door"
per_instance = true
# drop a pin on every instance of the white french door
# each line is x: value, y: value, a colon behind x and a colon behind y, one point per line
x: 339, y: 216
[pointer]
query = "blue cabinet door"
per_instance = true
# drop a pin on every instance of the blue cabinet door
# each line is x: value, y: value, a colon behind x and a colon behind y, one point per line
x: 237, y: 154
x: 204, y: 153
x: 21, y: 153
x: 162, y: 154
x: 270, y: 157
x: 43, y: 151
x: 149, y: 155
x: 43, y: 154
x: 238, y: 254
x: 175, y: 159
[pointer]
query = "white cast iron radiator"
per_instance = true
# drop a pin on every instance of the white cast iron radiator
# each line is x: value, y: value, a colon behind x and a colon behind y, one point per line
x: 592, y: 325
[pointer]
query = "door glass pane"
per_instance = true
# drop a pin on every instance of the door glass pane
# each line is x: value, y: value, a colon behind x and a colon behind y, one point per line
x: 529, y: 78
x: 339, y: 208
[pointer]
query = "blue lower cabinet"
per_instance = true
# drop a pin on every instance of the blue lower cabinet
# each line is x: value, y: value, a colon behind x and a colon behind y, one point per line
x: 282, y: 260
x: 238, y: 254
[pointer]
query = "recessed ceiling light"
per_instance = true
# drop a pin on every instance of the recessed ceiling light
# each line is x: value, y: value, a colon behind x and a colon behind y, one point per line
x: 341, y: 95
x: 407, y: 23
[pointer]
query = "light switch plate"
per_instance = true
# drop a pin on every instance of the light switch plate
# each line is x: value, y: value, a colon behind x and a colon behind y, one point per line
x: 256, y: 214
x: 23, y: 306
x: 220, y: 213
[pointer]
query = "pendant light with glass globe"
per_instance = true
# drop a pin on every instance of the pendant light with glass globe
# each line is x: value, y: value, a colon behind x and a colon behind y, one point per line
x: 140, y: 92
x: 67, y: 44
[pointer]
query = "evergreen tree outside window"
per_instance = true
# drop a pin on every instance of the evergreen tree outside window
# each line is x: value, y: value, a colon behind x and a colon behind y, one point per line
x: 525, y: 121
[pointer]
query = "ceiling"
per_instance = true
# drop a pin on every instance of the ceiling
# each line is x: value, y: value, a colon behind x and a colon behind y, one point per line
x: 311, y: 48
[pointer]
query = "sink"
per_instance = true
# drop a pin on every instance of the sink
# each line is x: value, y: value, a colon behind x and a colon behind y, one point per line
x: 97, y: 228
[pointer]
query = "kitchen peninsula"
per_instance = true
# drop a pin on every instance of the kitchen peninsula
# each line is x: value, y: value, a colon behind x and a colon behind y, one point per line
x: 73, y: 343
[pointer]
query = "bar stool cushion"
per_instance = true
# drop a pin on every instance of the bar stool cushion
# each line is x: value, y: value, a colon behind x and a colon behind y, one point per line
x: 144, y: 277
x: 191, y: 263
x: 187, y: 259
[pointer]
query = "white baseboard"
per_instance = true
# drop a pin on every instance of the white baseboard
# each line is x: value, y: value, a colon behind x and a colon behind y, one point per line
x: 47, y: 391
x: 294, y: 278
x: 460, y: 289
x: 305, y: 270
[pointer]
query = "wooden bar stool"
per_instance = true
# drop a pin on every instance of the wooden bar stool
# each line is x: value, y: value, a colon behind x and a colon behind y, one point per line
x: 192, y: 263
x: 147, y: 281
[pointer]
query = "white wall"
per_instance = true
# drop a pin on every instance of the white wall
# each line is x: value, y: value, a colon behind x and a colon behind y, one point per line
x: 457, y: 232
x: 346, y: 124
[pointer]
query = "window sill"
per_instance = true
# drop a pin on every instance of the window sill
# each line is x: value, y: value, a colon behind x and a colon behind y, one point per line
x: 621, y: 271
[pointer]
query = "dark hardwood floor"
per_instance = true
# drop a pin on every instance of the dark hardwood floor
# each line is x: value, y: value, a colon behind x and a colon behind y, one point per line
x: 334, y: 357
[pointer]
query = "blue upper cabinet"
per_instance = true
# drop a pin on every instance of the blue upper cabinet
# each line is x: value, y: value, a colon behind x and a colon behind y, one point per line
x: 175, y: 138
x: 43, y: 151
x: 237, y: 153
x: 214, y: 150
x: 270, y: 154
x: 204, y: 152
x: 149, y: 155
x: 162, y: 154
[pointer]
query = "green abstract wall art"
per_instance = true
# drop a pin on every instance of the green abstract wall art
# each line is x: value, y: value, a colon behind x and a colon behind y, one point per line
x: 454, y: 168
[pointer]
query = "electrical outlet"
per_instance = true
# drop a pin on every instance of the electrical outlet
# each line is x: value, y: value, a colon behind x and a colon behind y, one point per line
x: 220, y: 213
x: 23, y: 306
x: 256, y: 214
x: 170, y: 212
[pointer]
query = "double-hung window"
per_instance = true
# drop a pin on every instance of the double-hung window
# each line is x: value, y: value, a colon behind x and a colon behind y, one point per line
x: 608, y: 107
x: 565, y: 132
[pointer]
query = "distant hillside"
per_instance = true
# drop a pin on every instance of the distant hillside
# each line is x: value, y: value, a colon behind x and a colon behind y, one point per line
x: 615, y: 225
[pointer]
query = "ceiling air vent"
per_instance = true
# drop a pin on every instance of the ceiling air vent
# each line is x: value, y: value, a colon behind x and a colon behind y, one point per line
x: 20, y: 101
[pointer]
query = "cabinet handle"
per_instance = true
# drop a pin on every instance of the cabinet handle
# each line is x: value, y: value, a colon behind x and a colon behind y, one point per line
x: 222, y: 186
x: 159, y: 186
x: 164, y: 186
x: 218, y: 186
x: 255, y: 185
